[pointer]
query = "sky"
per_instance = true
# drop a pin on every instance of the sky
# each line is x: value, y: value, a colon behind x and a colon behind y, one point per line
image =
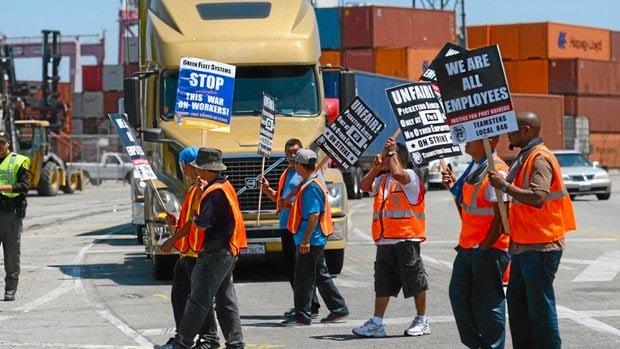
x: 26, y: 18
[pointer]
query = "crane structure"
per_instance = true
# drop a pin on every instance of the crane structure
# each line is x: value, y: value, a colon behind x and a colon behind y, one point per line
x: 128, y: 28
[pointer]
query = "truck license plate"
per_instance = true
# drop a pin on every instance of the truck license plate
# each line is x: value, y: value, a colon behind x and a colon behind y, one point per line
x: 254, y: 249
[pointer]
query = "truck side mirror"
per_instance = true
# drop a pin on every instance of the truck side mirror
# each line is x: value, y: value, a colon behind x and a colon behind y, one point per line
x: 346, y: 88
x: 131, y: 92
x: 155, y: 135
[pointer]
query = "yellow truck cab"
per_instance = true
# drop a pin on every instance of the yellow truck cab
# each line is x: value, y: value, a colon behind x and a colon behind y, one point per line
x: 275, y: 47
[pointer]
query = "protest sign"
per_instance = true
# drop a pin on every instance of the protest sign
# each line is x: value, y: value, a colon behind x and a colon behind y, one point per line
x: 475, y: 94
x: 423, y: 125
x: 128, y: 138
x: 204, y: 94
x: 447, y: 50
x: 267, y: 125
x: 347, y: 137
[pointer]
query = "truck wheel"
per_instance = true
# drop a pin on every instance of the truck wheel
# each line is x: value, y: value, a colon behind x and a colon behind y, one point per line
x: 49, y: 183
x: 334, y: 260
x: 163, y: 266
x: 352, y: 181
x: 140, y: 233
x: 72, y: 183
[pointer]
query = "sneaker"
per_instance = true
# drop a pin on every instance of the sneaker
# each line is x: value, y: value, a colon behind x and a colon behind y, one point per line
x: 171, y: 344
x: 9, y: 295
x: 418, y: 328
x: 334, y: 316
x: 206, y: 344
x: 294, y: 321
x: 292, y: 312
x: 369, y: 329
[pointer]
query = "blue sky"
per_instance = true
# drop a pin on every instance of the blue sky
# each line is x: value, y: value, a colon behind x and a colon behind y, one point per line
x: 100, y: 16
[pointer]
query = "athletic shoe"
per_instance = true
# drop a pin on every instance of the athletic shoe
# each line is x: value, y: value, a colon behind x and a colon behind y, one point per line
x: 369, y: 329
x: 334, y: 316
x: 418, y: 327
x: 292, y: 312
x: 294, y: 321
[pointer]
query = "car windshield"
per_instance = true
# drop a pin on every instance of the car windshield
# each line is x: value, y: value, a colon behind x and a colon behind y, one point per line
x: 572, y: 160
x: 294, y: 87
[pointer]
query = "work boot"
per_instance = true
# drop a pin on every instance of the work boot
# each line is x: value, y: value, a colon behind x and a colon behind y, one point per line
x: 171, y: 344
x: 9, y: 295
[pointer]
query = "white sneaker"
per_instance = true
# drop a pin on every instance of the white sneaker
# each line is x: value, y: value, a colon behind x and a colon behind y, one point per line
x: 369, y: 329
x: 418, y: 327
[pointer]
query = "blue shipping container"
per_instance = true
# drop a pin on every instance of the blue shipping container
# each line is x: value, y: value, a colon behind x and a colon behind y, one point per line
x: 329, y: 27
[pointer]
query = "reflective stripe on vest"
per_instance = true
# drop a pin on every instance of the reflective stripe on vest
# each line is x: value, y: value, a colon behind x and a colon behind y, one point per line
x: 190, y: 244
x: 325, y: 218
x: 394, y: 217
x: 477, y: 213
x: 238, y: 239
x: 8, y: 171
x: 531, y: 225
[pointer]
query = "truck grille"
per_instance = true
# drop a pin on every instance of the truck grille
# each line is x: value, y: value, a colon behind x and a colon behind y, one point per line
x: 242, y: 171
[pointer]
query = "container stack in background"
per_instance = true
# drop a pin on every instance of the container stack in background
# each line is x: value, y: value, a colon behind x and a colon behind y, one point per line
x: 581, y: 64
x: 392, y: 41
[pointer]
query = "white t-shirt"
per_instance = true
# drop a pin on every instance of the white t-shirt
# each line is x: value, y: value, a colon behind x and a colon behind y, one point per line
x: 411, y: 189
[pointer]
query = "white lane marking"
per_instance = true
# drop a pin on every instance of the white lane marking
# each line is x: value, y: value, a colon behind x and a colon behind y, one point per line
x: 128, y: 331
x: 588, y: 322
x: 138, y: 249
x: 63, y: 345
x: 577, y: 261
x: 604, y: 268
x: 352, y: 283
x: 439, y: 262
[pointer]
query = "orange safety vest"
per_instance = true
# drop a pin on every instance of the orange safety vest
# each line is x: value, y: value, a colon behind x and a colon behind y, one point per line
x: 238, y: 239
x: 477, y: 213
x: 325, y: 218
x: 393, y: 217
x: 191, y: 244
x: 281, y: 187
x: 531, y: 225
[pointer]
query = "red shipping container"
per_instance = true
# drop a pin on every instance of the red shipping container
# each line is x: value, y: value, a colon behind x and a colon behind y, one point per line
x: 380, y: 26
x: 605, y: 148
x: 584, y: 77
x: 110, y: 102
x: 92, y: 77
x: 615, y: 45
x: 360, y: 59
x: 130, y: 69
x: 599, y: 110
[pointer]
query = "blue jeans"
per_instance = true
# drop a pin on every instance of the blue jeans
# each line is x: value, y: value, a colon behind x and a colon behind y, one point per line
x: 531, y: 300
x: 477, y: 297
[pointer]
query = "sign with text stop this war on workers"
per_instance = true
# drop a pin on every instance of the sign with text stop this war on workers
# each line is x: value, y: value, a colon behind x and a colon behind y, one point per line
x: 347, y: 137
x: 204, y: 94
x: 267, y: 125
x: 128, y: 138
x: 422, y: 123
x: 475, y: 94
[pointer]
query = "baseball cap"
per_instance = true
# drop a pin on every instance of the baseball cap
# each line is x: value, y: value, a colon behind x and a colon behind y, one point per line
x: 4, y: 136
x: 188, y: 155
x: 305, y: 156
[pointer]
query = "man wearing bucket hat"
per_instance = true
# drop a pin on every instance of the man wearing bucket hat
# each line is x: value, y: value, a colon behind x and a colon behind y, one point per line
x: 220, y: 216
x: 14, y: 179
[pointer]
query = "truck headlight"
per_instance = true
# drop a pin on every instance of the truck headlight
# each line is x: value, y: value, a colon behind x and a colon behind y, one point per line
x: 171, y: 205
x: 337, y: 192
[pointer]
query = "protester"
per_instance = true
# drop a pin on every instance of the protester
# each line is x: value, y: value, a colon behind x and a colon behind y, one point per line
x: 220, y: 216
x: 540, y: 215
x: 288, y: 183
x: 398, y: 229
x: 310, y: 222
x: 476, y: 290
x: 188, y: 241
x: 14, y: 182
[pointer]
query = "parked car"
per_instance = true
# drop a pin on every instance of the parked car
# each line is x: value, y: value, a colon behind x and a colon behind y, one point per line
x: 113, y: 166
x: 582, y: 177
x: 458, y: 165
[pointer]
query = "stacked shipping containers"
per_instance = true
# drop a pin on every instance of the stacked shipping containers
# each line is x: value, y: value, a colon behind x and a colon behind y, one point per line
x: 580, y: 63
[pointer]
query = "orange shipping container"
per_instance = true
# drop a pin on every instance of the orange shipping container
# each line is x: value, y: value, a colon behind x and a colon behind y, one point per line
x: 330, y: 57
x: 605, y: 148
x: 508, y: 38
x: 528, y: 76
x: 360, y: 59
x: 555, y: 40
x: 478, y: 36
x: 599, y: 110
x: 405, y: 62
x: 110, y: 102
x: 615, y: 45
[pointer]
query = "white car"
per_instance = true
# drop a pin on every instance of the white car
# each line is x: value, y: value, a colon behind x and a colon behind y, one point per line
x: 457, y: 163
x: 582, y: 177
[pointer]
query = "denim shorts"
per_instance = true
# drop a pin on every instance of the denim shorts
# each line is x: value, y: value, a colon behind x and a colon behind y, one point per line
x: 399, y: 266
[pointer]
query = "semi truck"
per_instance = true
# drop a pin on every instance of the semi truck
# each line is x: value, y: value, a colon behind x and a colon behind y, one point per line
x: 275, y: 48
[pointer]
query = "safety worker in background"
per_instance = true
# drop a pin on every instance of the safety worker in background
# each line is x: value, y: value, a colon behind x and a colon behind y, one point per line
x: 220, y: 216
x: 289, y: 182
x: 540, y: 215
x: 311, y: 223
x: 476, y: 290
x: 14, y: 180
x: 188, y: 241
x: 398, y: 229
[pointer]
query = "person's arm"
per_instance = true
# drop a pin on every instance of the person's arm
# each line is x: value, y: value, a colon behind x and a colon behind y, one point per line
x: 540, y: 181
x: 393, y: 163
x: 369, y: 177
x: 313, y: 220
x: 271, y: 193
x: 176, y: 236
x: 23, y: 178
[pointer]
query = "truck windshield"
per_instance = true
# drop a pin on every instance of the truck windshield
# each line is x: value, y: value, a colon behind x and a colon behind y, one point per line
x: 294, y: 87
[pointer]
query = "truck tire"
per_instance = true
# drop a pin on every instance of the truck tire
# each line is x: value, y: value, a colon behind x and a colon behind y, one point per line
x: 71, y: 184
x: 49, y: 183
x: 163, y: 266
x: 140, y: 234
x: 334, y: 260
x: 352, y: 180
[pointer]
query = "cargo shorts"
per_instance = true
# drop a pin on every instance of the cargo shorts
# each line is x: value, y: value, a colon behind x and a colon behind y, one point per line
x: 399, y: 266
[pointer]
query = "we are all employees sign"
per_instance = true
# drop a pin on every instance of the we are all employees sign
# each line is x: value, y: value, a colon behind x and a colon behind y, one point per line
x: 475, y: 94
x: 204, y: 94
x: 128, y: 138
x: 347, y: 137
x: 422, y: 123
x: 267, y: 125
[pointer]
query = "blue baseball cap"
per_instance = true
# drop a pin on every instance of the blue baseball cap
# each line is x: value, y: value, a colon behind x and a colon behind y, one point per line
x: 188, y: 155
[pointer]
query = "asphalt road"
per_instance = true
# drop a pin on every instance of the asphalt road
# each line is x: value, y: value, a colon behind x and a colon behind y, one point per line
x: 86, y: 284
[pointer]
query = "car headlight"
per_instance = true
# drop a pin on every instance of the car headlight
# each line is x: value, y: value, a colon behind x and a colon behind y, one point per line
x: 336, y: 193
x: 601, y: 175
x: 171, y: 205
x: 566, y: 177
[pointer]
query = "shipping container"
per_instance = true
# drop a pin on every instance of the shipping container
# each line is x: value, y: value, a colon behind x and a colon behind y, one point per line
x: 76, y: 107
x: 92, y: 77
x: 614, y: 37
x: 555, y: 40
x: 550, y: 109
x: 132, y: 50
x: 78, y: 127
x: 528, y: 76
x: 508, y: 38
x: 92, y: 104
x: 380, y: 26
x: 584, y: 77
x: 113, y: 77
x: 601, y: 111
x: 605, y: 148
x: 110, y: 102
x: 360, y: 59
x: 406, y: 62
x: 328, y: 20
x: 330, y: 57
x: 478, y: 36
x: 130, y: 69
